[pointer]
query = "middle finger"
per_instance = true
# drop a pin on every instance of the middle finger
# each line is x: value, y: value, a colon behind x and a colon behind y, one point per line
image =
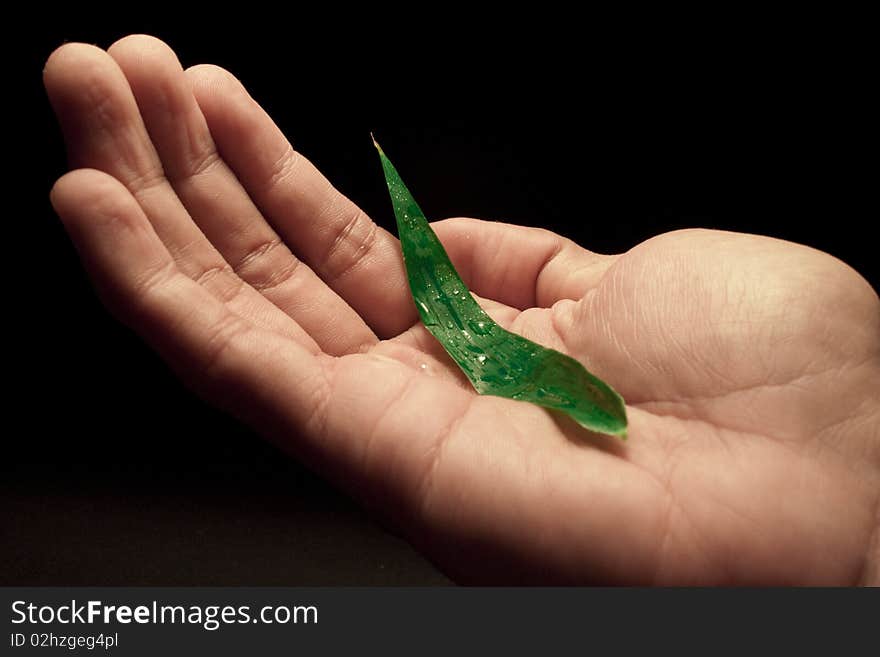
x: 221, y: 207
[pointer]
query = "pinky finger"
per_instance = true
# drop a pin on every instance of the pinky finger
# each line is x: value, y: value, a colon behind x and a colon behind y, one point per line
x: 198, y: 335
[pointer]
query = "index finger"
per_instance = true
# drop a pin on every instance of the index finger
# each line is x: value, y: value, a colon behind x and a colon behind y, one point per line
x: 356, y: 258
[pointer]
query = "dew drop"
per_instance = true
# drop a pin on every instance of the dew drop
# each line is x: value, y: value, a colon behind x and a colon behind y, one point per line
x: 480, y: 328
x: 427, y: 314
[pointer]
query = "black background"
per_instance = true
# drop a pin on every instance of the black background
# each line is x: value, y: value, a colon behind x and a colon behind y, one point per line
x: 608, y: 131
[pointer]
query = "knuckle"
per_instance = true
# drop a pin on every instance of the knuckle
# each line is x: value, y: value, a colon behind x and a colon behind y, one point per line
x: 151, y: 280
x: 282, y: 169
x: 221, y: 281
x: 143, y: 298
x: 204, y: 159
x: 315, y: 419
x: 259, y: 252
x: 268, y: 265
x: 99, y: 95
x: 353, y: 240
x: 277, y: 277
x: 217, y: 358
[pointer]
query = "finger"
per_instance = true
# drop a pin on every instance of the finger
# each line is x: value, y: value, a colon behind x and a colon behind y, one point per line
x: 104, y: 130
x: 138, y: 278
x: 218, y: 203
x: 281, y: 385
x: 355, y: 257
x: 258, y: 373
x: 278, y: 384
x: 520, y: 266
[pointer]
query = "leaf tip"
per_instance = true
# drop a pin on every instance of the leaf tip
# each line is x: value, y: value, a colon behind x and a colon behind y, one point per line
x: 376, y: 143
x: 617, y: 432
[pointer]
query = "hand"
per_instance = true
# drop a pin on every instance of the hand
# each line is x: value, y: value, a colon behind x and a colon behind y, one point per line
x: 750, y: 365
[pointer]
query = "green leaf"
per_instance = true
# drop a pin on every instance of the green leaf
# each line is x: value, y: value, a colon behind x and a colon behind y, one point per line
x: 496, y: 361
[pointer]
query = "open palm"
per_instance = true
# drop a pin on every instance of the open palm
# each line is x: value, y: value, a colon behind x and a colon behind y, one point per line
x: 750, y: 366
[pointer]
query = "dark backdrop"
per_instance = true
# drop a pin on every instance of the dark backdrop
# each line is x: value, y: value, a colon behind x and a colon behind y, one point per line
x: 115, y: 474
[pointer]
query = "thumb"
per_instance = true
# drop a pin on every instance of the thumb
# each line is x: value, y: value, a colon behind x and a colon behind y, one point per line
x: 520, y: 266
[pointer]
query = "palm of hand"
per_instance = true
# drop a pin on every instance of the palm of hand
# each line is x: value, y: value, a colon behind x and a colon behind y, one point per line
x: 727, y: 353
x: 746, y: 361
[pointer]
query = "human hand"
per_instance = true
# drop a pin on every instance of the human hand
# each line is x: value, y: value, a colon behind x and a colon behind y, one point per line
x: 748, y: 363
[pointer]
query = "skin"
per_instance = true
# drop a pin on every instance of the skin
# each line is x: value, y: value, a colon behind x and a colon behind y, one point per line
x: 750, y: 365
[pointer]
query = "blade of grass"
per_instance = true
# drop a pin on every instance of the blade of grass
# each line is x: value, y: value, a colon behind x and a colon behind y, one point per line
x: 496, y: 361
